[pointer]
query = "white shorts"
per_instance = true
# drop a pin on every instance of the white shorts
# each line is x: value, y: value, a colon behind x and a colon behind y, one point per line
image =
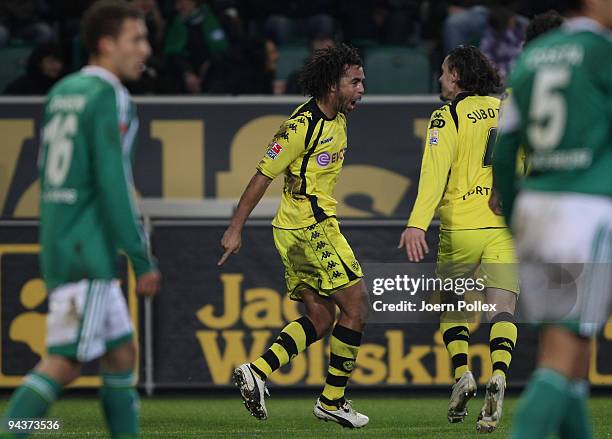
x: 87, y: 319
x: 564, y: 245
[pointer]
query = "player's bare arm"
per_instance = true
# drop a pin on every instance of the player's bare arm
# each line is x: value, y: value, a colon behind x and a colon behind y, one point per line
x: 232, y: 238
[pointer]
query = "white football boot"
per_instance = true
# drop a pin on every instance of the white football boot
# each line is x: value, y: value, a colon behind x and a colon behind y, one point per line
x: 345, y: 415
x: 491, y: 412
x: 253, y: 390
x: 463, y: 391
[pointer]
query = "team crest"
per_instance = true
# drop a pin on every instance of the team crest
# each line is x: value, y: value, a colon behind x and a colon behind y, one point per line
x: 348, y: 365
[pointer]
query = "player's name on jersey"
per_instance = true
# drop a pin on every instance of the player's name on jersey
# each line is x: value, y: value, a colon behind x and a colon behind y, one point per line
x: 571, y: 54
x: 424, y: 306
x: 67, y: 103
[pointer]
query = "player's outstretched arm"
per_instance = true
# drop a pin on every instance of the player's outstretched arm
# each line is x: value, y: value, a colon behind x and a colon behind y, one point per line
x: 232, y: 238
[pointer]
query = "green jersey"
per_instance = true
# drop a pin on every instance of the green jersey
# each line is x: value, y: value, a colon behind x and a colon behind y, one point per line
x: 560, y: 108
x: 87, y: 209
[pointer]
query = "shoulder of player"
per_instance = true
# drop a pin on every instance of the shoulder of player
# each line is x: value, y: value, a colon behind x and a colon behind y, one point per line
x: 305, y: 119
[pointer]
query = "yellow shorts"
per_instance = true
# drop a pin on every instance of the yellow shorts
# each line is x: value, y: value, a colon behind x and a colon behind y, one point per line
x: 484, y: 253
x: 318, y: 258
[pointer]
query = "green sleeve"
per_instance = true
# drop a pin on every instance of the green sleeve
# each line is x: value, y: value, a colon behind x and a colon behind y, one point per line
x: 505, y: 156
x: 113, y: 178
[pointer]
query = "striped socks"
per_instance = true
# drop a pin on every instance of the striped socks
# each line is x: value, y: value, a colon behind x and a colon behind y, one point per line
x: 344, y: 346
x: 293, y: 339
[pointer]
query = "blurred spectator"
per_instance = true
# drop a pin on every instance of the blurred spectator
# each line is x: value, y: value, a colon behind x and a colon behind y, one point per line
x: 45, y: 67
x: 230, y: 17
x: 318, y: 43
x: 250, y: 69
x: 465, y: 23
x: 22, y: 19
x: 289, y: 20
x: 378, y: 21
x: 195, y: 43
x: 503, y: 38
x: 542, y: 23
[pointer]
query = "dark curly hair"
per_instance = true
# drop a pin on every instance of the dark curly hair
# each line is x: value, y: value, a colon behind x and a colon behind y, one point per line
x: 542, y: 23
x: 325, y: 69
x: 476, y: 74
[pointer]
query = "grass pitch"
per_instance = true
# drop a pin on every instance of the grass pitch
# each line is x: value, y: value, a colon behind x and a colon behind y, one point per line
x: 391, y: 416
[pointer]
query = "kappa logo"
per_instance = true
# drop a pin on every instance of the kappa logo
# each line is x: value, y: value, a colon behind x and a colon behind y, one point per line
x: 274, y: 150
x: 355, y: 265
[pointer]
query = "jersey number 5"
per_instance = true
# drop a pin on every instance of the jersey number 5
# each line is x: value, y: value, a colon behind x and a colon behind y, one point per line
x: 548, y: 109
x: 57, y: 135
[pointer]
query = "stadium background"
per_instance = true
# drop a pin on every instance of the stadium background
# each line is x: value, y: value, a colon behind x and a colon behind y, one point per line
x: 191, y: 166
x: 197, y: 149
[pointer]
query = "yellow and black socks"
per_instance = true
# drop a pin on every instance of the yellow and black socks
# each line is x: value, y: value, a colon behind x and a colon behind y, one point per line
x: 456, y: 336
x: 502, y: 340
x: 120, y: 403
x: 293, y: 339
x: 344, y: 346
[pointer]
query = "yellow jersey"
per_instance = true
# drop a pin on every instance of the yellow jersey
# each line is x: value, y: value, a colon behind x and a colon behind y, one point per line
x: 309, y: 148
x: 456, y: 173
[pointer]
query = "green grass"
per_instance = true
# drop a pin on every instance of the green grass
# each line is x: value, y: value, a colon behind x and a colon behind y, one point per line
x: 391, y: 416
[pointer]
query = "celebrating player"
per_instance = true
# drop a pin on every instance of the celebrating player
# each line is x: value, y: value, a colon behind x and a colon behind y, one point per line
x: 456, y: 176
x: 87, y: 216
x: 320, y: 267
x: 560, y: 111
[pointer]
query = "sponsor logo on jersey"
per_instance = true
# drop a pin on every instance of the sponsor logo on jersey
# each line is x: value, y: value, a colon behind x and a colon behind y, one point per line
x: 323, y: 159
x: 437, y: 123
x: 324, y: 141
x: 274, y: 150
x: 434, y: 135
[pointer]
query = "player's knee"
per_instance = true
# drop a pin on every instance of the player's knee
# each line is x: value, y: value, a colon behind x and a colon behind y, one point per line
x: 356, y: 313
x: 322, y: 320
x: 62, y: 369
x: 121, y: 358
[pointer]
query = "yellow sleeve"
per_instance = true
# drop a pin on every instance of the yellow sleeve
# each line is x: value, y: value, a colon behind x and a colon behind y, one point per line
x: 286, y: 146
x: 438, y: 156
